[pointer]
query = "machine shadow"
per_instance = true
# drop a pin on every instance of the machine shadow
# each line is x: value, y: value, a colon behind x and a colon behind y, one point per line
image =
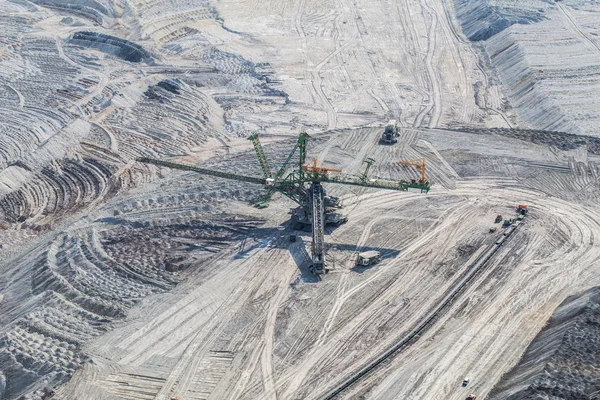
x: 303, y: 261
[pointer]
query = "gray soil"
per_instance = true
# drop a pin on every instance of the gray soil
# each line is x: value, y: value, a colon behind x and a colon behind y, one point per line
x: 125, y: 281
x: 563, y: 361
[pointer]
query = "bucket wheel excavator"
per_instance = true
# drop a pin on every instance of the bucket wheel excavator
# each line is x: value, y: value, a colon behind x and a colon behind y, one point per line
x: 303, y: 185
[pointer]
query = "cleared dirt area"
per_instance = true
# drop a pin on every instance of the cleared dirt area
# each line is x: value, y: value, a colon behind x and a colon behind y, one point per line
x: 121, y: 280
x: 284, y: 334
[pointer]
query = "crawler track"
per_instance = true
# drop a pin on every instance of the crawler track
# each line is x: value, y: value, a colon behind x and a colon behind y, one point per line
x: 423, y: 325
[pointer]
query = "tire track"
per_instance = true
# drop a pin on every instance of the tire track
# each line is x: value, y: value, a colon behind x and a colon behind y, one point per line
x: 575, y: 27
x: 435, y: 105
x: 295, y: 376
x: 267, y: 354
x: 182, y: 374
x: 421, y: 326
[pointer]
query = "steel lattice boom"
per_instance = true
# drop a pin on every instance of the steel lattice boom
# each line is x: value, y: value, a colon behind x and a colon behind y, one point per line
x: 203, y: 171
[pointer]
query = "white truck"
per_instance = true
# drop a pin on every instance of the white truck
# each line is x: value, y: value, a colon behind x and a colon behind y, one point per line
x: 367, y: 258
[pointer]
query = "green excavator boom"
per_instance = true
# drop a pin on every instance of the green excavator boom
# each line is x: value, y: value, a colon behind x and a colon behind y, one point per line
x: 203, y: 171
x: 369, y: 162
x: 260, y: 154
x: 302, y: 140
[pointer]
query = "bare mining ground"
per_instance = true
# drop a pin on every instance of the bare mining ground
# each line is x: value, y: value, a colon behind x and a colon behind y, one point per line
x: 260, y: 326
x: 123, y: 281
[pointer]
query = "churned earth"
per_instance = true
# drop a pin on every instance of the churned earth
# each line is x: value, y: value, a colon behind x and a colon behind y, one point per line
x: 121, y: 280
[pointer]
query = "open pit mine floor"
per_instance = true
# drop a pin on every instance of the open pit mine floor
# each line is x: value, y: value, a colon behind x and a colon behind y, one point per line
x: 254, y: 323
x: 127, y: 281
